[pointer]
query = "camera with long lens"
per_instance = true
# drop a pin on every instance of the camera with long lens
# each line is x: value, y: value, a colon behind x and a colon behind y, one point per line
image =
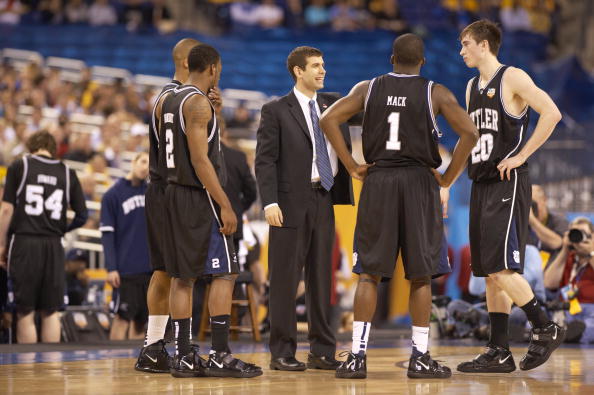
x: 577, y: 235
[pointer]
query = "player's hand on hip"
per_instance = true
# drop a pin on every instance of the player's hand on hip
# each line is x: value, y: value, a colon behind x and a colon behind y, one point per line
x: 507, y: 165
x: 274, y: 216
x: 440, y: 179
x: 214, y: 94
x: 360, y: 172
x: 444, y: 196
x: 113, y: 278
x: 229, y: 221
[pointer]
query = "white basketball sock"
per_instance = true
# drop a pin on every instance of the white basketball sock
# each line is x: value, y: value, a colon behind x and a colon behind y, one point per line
x: 420, y: 338
x: 361, y: 331
x: 155, y: 330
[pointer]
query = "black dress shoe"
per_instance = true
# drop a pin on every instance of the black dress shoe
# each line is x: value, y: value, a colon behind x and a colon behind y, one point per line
x: 321, y: 362
x: 287, y: 363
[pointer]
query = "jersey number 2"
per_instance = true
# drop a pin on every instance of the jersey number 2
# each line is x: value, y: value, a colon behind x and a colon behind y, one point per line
x: 35, y: 203
x: 169, y: 149
x: 393, y: 144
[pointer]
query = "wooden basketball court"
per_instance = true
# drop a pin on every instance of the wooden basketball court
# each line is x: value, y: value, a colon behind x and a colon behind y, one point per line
x: 570, y: 370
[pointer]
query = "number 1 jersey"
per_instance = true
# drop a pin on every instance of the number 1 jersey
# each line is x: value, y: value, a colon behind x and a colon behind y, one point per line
x: 40, y: 189
x: 399, y: 127
x: 501, y: 133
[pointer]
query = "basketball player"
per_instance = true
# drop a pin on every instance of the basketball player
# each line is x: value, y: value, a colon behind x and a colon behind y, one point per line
x: 190, y: 133
x: 39, y: 190
x: 400, y: 201
x: 497, y: 101
x: 126, y: 251
x: 154, y: 357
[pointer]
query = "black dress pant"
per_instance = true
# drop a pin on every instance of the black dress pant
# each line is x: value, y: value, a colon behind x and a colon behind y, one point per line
x: 291, y: 250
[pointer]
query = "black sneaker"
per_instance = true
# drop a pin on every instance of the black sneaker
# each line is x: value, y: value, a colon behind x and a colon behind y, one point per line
x: 154, y: 358
x: 189, y: 365
x: 424, y: 367
x: 223, y: 364
x: 355, y: 367
x: 543, y: 341
x: 495, y: 359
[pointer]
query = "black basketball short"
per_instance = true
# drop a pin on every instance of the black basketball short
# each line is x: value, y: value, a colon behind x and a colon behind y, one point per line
x: 400, y: 209
x: 129, y: 300
x: 195, y: 247
x: 156, y: 224
x: 499, y: 224
x: 36, y: 270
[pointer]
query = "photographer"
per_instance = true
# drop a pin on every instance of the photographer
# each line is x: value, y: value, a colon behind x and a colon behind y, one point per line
x: 572, y: 273
x: 546, y: 227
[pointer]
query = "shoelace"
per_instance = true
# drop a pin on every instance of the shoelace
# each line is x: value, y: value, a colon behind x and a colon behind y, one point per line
x: 346, y: 353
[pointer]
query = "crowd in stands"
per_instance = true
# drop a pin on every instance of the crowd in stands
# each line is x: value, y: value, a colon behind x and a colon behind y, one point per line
x: 340, y: 15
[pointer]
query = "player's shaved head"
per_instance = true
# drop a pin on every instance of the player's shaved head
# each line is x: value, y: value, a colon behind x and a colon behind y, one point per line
x: 182, y: 50
x: 408, y: 50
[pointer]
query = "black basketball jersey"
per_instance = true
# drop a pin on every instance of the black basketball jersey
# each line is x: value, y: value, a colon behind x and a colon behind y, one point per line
x: 399, y: 127
x: 157, y: 169
x: 42, y: 196
x: 175, y: 152
x: 501, y: 134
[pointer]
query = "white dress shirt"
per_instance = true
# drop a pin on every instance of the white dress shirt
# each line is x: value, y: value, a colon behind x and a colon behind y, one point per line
x: 304, y: 103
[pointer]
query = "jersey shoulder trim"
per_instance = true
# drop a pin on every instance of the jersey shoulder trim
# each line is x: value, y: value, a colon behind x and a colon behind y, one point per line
x: 430, y: 102
x: 522, y: 114
x: 24, y: 177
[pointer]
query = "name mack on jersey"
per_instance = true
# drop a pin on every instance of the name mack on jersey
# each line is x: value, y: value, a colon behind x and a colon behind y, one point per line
x: 485, y: 118
x: 399, y: 101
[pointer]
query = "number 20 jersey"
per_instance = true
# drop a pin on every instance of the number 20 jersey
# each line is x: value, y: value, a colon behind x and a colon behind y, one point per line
x: 502, y: 134
x: 399, y: 127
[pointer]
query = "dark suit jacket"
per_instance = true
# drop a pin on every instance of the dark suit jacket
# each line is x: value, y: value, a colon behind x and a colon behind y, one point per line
x: 240, y: 186
x: 284, y: 155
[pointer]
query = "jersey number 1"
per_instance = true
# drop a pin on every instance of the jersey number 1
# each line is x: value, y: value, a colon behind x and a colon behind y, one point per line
x: 169, y: 149
x: 393, y: 144
x: 35, y: 203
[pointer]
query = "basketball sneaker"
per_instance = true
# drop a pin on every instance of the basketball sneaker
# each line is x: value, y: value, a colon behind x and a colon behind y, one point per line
x: 543, y: 341
x: 425, y: 367
x: 154, y: 358
x: 189, y: 365
x: 223, y: 364
x: 355, y: 367
x: 495, y: 359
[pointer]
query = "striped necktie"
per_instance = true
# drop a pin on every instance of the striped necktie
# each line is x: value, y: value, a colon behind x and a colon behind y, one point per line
x: 322, y: 158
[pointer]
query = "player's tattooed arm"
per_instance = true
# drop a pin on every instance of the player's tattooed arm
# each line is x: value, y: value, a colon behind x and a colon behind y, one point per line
x: 340, y: 112
x: 197, y: 113
x: 445, y: 103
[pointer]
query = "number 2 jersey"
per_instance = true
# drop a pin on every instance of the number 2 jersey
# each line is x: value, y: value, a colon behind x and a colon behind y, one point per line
x: 175, y: 153
x: 399, y: 127
x: 502, y: 134
x: 41, y: 190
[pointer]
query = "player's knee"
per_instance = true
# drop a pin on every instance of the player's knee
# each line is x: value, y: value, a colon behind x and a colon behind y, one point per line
x: 369, y: 278
x: 227, y: 277
x: 496, y: 277
x: 183, y: 283
x: 419, y: 282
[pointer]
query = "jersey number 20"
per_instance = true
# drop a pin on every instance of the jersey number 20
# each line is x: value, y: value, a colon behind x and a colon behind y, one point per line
x: 393, y: 144
x: 482, y: 150
x: 169, y: 149
x: 36, y: 204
